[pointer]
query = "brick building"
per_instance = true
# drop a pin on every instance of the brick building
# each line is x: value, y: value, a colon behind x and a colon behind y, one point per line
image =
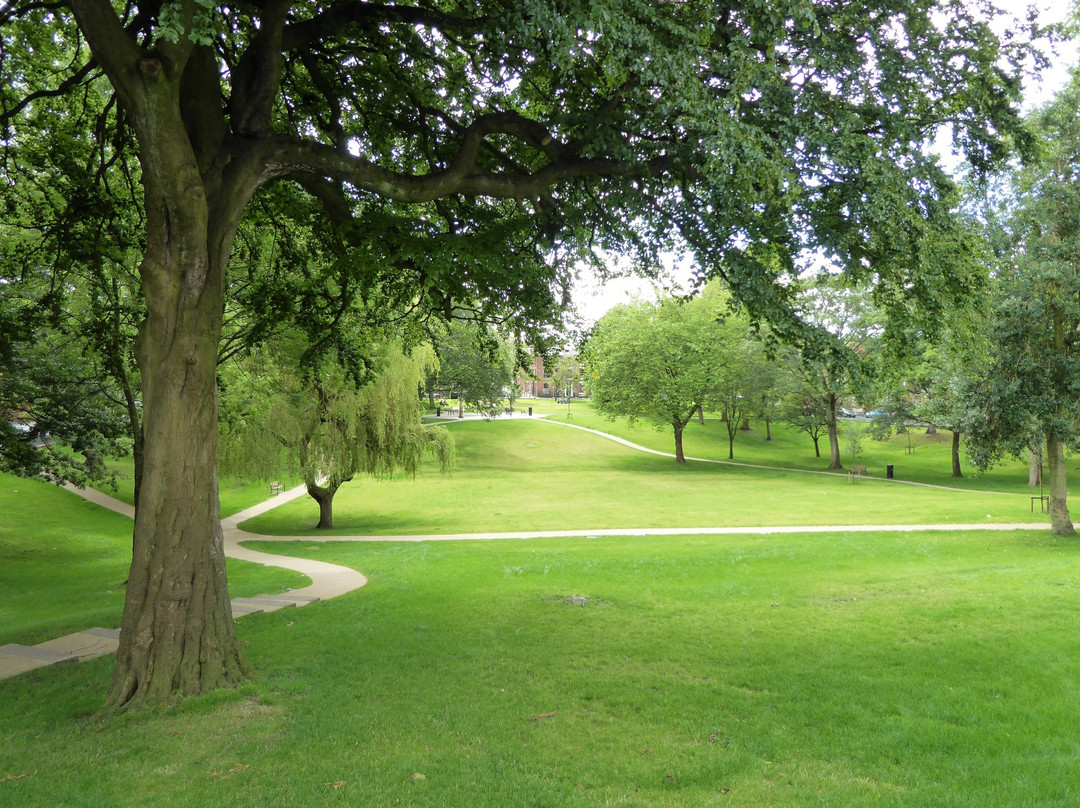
x: 537, y: 384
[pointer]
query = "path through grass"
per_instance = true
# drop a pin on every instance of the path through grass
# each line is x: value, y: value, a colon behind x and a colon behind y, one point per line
x: 64, y: 564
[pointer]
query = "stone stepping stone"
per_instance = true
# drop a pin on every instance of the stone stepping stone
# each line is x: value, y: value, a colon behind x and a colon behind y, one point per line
x: 268, y: 603
x: 89, y: 644
x: 16, y: 659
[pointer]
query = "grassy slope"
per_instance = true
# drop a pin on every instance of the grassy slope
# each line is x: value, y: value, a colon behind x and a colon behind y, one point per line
x: 235, y: 494
x: 842, y: 670
x: 64, y: 562
x: 529, y: 475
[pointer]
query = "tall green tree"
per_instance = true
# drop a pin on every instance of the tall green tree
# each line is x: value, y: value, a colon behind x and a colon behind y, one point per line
x: 836, y: 364
x: 1031, y: 384
x: 469, y: 139
x: 744, y: 381
x: 662, y: 362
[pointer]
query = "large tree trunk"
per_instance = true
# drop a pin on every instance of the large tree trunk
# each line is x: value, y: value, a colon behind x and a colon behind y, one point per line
x: 1060, y: 522
x: 177, y: 634
x: 956, y: 471
x: 834, y: 433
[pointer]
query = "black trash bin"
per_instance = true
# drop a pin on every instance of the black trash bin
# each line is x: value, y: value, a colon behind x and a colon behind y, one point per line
x: 888, y: 471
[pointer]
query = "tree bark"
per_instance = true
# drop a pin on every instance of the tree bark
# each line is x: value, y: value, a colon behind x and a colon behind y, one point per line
x: 817, y: 447
x: 1035, y: 466
x: 956, y: 471
x: 679, y: 456
x: 325, y: 497
x: 1060, y: 522
x: 177, y: 636
x: 834, y: 433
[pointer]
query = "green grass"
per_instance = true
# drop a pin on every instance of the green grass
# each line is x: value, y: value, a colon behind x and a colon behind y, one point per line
x: 914, y: 456
x: 837, y: 669
x: 64, y: 563
x: 527, y: 475
x: 804, y: 670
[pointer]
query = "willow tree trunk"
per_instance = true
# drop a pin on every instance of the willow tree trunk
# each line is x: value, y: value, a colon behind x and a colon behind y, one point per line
x: 1060, y: 522
x: 324, y: 495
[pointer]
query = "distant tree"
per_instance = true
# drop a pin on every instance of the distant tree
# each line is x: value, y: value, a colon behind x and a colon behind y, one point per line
x: 565, y: 373
x: 806, y: 412
x: 836, y: 365
x: 476, y: 362
x: 743, y: 384
x: 325, y: 421
x: 663, y: 361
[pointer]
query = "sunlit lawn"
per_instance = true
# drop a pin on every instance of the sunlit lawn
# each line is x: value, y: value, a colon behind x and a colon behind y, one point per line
x: 524, y: 475
x: 845, y: 669
x: 832, y: 669
x: 914, y: 455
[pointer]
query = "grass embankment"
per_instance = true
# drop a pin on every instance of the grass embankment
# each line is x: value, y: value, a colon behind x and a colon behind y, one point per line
x: 915, y: 455
x: 526, y: 475
x: 849, y: 669
x: 234, y: 493
x: 64, y: 564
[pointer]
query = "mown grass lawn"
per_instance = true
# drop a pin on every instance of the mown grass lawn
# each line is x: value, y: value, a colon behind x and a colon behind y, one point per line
x: 914, y: 455
x: 871, y: 669
x: 526, y: 475
x: 830, y: 669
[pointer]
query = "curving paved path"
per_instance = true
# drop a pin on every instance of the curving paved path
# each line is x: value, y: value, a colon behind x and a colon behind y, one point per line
x: 332, y: 580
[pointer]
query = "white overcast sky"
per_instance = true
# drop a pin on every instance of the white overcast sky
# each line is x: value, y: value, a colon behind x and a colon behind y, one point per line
x: 592, y: 298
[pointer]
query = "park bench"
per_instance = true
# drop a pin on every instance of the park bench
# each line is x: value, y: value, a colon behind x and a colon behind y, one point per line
x: 856, y: 472
x: 276, y: 488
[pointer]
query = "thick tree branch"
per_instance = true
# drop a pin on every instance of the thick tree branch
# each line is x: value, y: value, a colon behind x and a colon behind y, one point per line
x: 340, y: 14
x: 290, y: 158
x: 112, y: 47
x: 61, y: 89
x: 257, y: 77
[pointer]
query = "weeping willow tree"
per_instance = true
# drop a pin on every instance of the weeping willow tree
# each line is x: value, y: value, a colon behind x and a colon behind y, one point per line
x: 328, y: 422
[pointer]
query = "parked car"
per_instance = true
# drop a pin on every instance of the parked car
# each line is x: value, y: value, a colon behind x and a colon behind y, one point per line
x: 878, y: 414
